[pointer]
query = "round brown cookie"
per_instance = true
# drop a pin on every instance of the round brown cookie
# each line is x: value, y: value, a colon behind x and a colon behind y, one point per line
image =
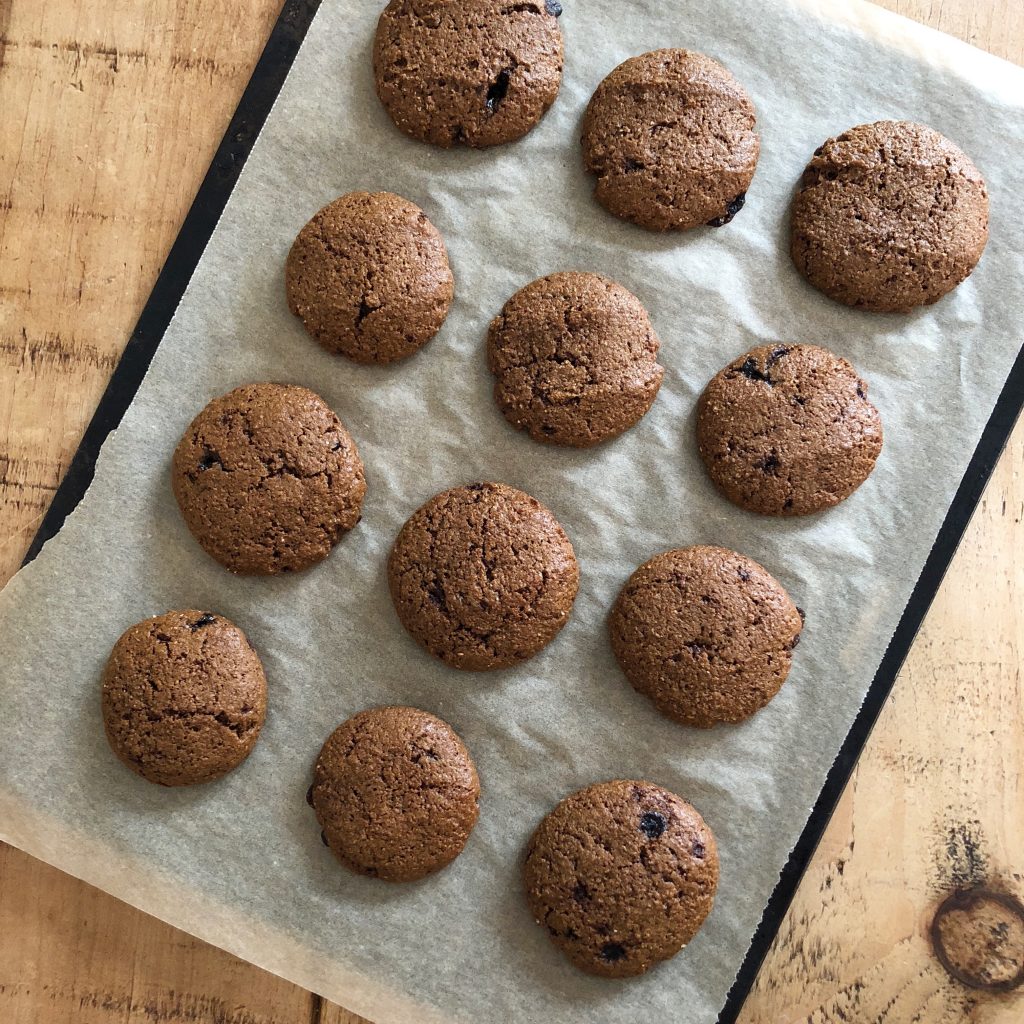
x: 184, y: 698
x: 705, y: 633
x: 369, y: 277
x: 396, y: 793
x: 787, y: 430
x: 575, y: 357
x: 268, y: 479
x: 889, y: 216
x: 473, y: 72
x: 622, y: 875
x: 483, y: 576
x: 670, y: 135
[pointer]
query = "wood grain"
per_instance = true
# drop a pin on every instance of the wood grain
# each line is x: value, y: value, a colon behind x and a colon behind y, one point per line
x: 111, y: 112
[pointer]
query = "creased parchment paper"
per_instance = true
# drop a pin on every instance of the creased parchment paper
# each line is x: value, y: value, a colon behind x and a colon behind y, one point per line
x: 240, y: 862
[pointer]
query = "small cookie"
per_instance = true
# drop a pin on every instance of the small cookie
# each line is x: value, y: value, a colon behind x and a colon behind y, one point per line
x: 576, y: 359
x: 268, y: 479
x: 396, y: 793
x: 889, y: 216
x: 622, y: 875
x: 786, y: 430
x: 705, y: 633
x: 483, y: 576
x: 184, y: 698
x: 368, y: 277
x: 670, y: 135
x: 472, y: 72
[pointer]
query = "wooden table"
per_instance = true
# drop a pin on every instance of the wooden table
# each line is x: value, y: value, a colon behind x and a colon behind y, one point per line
x: 110, y: 112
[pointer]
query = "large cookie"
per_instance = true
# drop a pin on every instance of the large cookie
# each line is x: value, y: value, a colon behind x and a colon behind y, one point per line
x: 369, y: 277
x: 889, y: 216
x: 707, y: 634
x: 575, y: 359
x: 622, y: 875
x: 184, y: 698
x: 786, y: 430
x: 471, y: 72
x: 671, y: 137
x: 483, y: 576
x: 267, y: 479
x: 396, y: 793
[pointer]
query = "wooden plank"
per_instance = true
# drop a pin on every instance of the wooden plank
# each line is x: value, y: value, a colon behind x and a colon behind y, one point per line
x: 117, y: 107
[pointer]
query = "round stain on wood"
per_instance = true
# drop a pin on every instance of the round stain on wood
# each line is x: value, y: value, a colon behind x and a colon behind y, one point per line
x: 978, y: 937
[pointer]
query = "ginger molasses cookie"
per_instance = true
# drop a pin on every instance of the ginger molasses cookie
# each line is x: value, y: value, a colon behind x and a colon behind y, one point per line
x: 184, y: 698
x: 483, y: 576
x: 396, y: 793
x: 369, y: 277
x: 707, y: 634
x: 268, y: 479
x: 888, y: 217
x: 575, y: 359
x: 471, y: 72
x: 786, y: 430
x: 670, y: 135
x: 622, y: 875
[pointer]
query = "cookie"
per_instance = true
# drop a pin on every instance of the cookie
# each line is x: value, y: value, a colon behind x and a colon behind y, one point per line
x: 575, y: 359
x: 786, y: 430
x: 888, y: 217
x: 184, y: 698
x: 267, y: 479
x: 483, y: 576
x: 622, y: 875
x: 705, y: 633
x: 396, y: 793
x: 671, y: 137
x: 469, y: 72
x: 369, y: 278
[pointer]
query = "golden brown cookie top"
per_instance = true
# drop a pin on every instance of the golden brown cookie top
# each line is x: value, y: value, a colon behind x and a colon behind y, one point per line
x: 267, y: 479
x: 184, y: 697
x: 369, y: 277
x: 622, y: 875
x: 671, y: 137
x: 396, y: 793
x: 468, y: 72
x: 889, y: 216
x: 575, y: 359
x: 483, y: 576
x: 786, y: 430
x: 707, y: 634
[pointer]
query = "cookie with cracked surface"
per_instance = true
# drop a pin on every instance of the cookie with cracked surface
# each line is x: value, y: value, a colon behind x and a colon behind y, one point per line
x: 787, y: 430
x: 671, y: 137
x: 369, y: 278
x: 705, y: 633
x: 396, y: 793
x: 575, y: 359
x: 888, y: 217
x: 184, y: 698
x: 267, y: 479
x: 622, y: 875
x: 468, y: 72
x: 483, y: 576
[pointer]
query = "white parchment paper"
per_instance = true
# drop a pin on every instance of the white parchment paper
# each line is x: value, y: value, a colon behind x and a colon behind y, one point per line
x: 240, y: 862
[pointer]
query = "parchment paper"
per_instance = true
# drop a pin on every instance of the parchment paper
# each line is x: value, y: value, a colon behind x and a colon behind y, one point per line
x: 240, y: 862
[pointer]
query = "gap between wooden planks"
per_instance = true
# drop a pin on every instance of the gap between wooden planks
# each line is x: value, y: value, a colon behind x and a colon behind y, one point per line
x: 111, y: 112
